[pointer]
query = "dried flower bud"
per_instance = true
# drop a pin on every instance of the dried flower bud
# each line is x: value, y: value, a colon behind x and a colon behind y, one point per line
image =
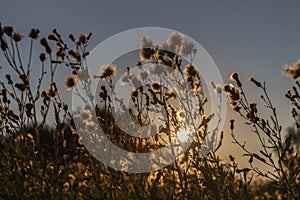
x: 237, y: 108
x: 82, y: 38
x: 231, y: 124
x: 65, y: 108
x: 17, y: 36
x: 4, y: 45
x: 70, y: 82
x: 8, y: 30
x: 226, y: 88
x: 46, y: 45
x: 90, y: 35
x: 29, y: 106
x: 72, y: 38
x: 34, y: 33
x: 51, y: 93
x: 258, y: 84
x: 56, y: 32
x: 155, y: 87
x: 24, y: 78
x: 9, y: 81
x: 20, y: 86
x: 43, y: 57
x: 52, y: 37
x: 235, y: 77
x: 253, y: 107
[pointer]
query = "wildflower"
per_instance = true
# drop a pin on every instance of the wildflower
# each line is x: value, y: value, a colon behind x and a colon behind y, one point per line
x: 144, y: 75
x: 75, y: 55
x: 70, y: 82
x: 233, y: 93
x: 82, y: 38
x: 190, y: 71
x: 24, y: 78
x: 34, y: 33
x: 146, y: 54
x: 292, y: 71
x: 192, y: 75
x: 258, y: 84
x: 20, y: 86
x: 147, y: 42
x: 51, y: 36
x: 8, y: 30
x: 196, y: 86
x: 155, y: 87
x: 55, y: 31
x: 251, y: 117
x: 146, y: 51
x: 235, y: 77
x: 103, y: 93
x: 126, y: 78
x: 235, y: 106
x: 51, y: 92
x: 217, y: 88
x: 60, y: 53
x: 135, y: 93
x: 17, y: 36
x: 9, y: 81
x: 108, y: 71
x: 43, y: 57
x: 186, y: 48
x: 46, y: 45
x: 72, y: 38
x: 175, y: 40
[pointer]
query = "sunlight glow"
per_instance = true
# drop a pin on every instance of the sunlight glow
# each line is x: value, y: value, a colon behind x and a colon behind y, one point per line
x: 183, y: 135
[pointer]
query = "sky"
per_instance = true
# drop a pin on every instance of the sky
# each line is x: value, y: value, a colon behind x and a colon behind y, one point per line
x: 249, y: 37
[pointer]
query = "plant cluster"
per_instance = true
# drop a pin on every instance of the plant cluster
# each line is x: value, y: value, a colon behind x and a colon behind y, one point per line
x: 42, y: 160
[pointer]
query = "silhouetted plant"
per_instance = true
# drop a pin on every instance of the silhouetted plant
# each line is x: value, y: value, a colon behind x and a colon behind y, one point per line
x: 269, y: 135
x: 44, y: 161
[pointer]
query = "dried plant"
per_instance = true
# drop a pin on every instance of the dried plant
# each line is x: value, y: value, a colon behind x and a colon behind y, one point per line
x: 42, y: 160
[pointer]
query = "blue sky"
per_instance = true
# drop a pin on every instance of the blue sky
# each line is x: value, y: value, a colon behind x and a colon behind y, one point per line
x: 249, y: 37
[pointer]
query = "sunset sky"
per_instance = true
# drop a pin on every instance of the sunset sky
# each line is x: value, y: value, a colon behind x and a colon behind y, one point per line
x: 252, y: 38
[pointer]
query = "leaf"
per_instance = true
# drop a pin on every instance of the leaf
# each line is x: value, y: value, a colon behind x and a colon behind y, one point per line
x: 263, y: 153
x: 251, y: 159
x: 246, y: 154
x: 258, y: 157
x: 288, y: 142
